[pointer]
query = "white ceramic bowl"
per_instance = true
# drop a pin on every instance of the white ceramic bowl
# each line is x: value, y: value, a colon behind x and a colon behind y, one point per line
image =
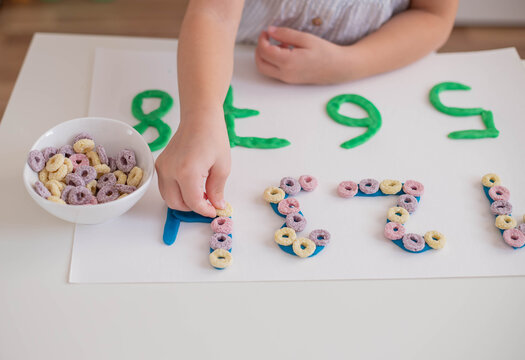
x: 114, y: 136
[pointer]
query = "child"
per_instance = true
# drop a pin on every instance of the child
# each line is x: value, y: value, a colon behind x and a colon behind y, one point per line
x: 320, y: 42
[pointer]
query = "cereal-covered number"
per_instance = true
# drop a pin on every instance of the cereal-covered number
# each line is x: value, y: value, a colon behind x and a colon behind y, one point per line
x: 486, y: 115
x: 372, y: 122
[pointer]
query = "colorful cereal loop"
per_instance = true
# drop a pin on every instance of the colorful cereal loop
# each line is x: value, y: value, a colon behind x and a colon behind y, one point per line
x: 394, y: 231
x: 413, y: 242
x: 221, y: 258
x: 226, y: 212
x: 303, y: 247
x: 503, y: 222
x: 289, y: 206
x: 390, y: 187
x: 347, y: 189
x: 414, y: 188
x: 499, y: 192
x: 435, y: 239
x: 274, y: 194
x: 398, y: 214
x: 491, y: 180
x: 308, y: 182
x: 285, y: 236
x: 514, y: 238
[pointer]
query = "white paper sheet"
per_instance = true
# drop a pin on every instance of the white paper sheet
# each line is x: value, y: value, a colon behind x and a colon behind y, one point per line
x: 412, y: 144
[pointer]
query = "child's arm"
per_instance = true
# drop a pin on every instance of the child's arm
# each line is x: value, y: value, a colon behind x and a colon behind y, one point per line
x: 198, y: 155
x: 408, y: 36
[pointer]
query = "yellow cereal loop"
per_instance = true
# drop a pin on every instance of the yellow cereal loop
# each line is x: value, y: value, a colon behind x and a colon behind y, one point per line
x: 121, y: 177
x: 59, y: 174
x: 92, y: 186
x: 135, y: 176
x: 285, y: 236
x: 55, y: 162
x: 398, y: 215
x: 303, y: 247
x: 69, y: 165
x: 435, y: 239
x: 226, y: 212
x: 93, y: 158
x: 122, y: 196
x: 491, y: 180
x: 43, y: 175
x: 273, y: 194
x: 56, y: 199
x: 101, y: 169
x: 54, y: 187
x: 83, y: 146
x: 505, y: 222
x: 221, y: 258
x: 390, y: 187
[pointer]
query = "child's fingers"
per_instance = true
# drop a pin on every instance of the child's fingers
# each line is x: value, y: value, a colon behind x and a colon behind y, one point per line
x: 193, y: 195
x: 215, y: 186
x: 290, y: 36
x: 273, y: 54
x: 172, y: 195
x: 266, y: 68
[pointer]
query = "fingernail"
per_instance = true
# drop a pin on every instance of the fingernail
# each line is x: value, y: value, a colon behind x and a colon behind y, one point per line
x: 271, y: 28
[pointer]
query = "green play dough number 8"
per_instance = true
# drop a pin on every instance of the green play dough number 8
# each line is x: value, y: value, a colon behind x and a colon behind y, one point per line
x: 486, y: 115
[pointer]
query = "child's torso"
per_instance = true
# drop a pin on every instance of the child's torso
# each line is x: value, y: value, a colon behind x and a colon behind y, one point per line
x: 339, y: 21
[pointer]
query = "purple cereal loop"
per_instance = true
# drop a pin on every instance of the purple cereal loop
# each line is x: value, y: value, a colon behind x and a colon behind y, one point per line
x: 514, y: 237
x: 501, y: 207
x: 41, y: 190
x: 66, y: 150
x: 413, y: 188
x: 74, y: 180
x: 79, y: 160
x: 82, y: 135
x: 49, y: 152
x: 394, y: 231
x: 65, y: 193
x: 101, y: 152
x: 79, y: 195
x: 220, y: 241
x: 106, y: 179
x: 499, y: 192
x: 125, y: 189
x: 290, y: 185
x: 320, y: 237
x: 308, y: 182
x: 87, y: 173
x: 288, y: 206
x: 36, y: 160
x: 107, y: 193
x: 369, y: 186
x: 222, y: 225
x: 126, y: 160
x: 413, y: 242
x: 347, y: 189
x: 112, y: 163
x: 408, y: 202
x: 296, y: 221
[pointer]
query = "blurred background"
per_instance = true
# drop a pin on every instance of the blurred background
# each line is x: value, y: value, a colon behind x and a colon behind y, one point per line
x: 480, y: 25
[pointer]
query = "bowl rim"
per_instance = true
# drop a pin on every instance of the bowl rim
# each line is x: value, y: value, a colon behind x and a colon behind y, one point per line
x: 142, y: 188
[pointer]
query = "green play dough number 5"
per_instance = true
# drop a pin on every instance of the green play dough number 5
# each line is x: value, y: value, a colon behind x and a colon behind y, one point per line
x: 486, y: 115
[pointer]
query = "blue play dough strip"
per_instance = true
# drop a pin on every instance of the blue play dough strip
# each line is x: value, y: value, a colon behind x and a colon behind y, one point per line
x: 173, y: 220
x: 486, y: 190
x: 400, y: 241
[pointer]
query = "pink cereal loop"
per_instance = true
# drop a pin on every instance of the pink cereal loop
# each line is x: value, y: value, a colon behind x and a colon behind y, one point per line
x: 222, y: 225
x: 79, y: 160
x: 413, y: 188
x: 308, y: 182
x: 499, y: 192
x: 514, y: 237
x: 288, y: 206
x: 394, y: 231
x: 347, y: 189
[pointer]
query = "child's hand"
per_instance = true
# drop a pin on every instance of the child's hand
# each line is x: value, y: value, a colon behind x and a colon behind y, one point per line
x: 312, y: 60
x: 198, y: 153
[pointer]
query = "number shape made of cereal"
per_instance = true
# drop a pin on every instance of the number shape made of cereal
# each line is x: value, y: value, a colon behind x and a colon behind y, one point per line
x: 409, y: 194
x: 285, y: 205
x: 220, y: 256
x: 501, y: 208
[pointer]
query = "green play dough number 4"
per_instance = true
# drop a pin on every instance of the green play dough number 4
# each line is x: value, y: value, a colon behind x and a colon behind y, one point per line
x: 486, y: 115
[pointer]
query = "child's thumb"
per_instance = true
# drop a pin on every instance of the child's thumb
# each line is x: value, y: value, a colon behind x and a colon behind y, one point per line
x: 215, y: 186
x: 289, y: 36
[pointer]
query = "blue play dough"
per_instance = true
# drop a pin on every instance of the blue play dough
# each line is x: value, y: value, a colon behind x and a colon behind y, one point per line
x: 486, y: 190
x: 173, y: 220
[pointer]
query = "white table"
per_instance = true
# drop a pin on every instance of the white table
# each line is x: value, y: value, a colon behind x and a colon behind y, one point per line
x: 44, y: 317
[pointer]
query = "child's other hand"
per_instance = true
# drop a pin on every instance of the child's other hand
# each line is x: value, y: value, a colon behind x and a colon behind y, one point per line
x: 312, y: 60
x: 198, y: 154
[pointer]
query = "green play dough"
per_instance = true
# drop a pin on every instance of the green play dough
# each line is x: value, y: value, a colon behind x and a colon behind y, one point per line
x: 486, y: 115
x: 154, y: 118
x: 372, y: 122
x: 231, y: 113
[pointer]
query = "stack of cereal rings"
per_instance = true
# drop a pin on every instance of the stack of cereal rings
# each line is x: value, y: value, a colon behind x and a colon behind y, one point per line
x: 409, y: 194
x: 83, y: 174
x: 220, y: 256
x: 285, y: 206
x: 501, y: 208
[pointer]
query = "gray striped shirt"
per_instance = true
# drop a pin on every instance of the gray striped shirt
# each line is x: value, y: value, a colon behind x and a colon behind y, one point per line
x: 340, y: 21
